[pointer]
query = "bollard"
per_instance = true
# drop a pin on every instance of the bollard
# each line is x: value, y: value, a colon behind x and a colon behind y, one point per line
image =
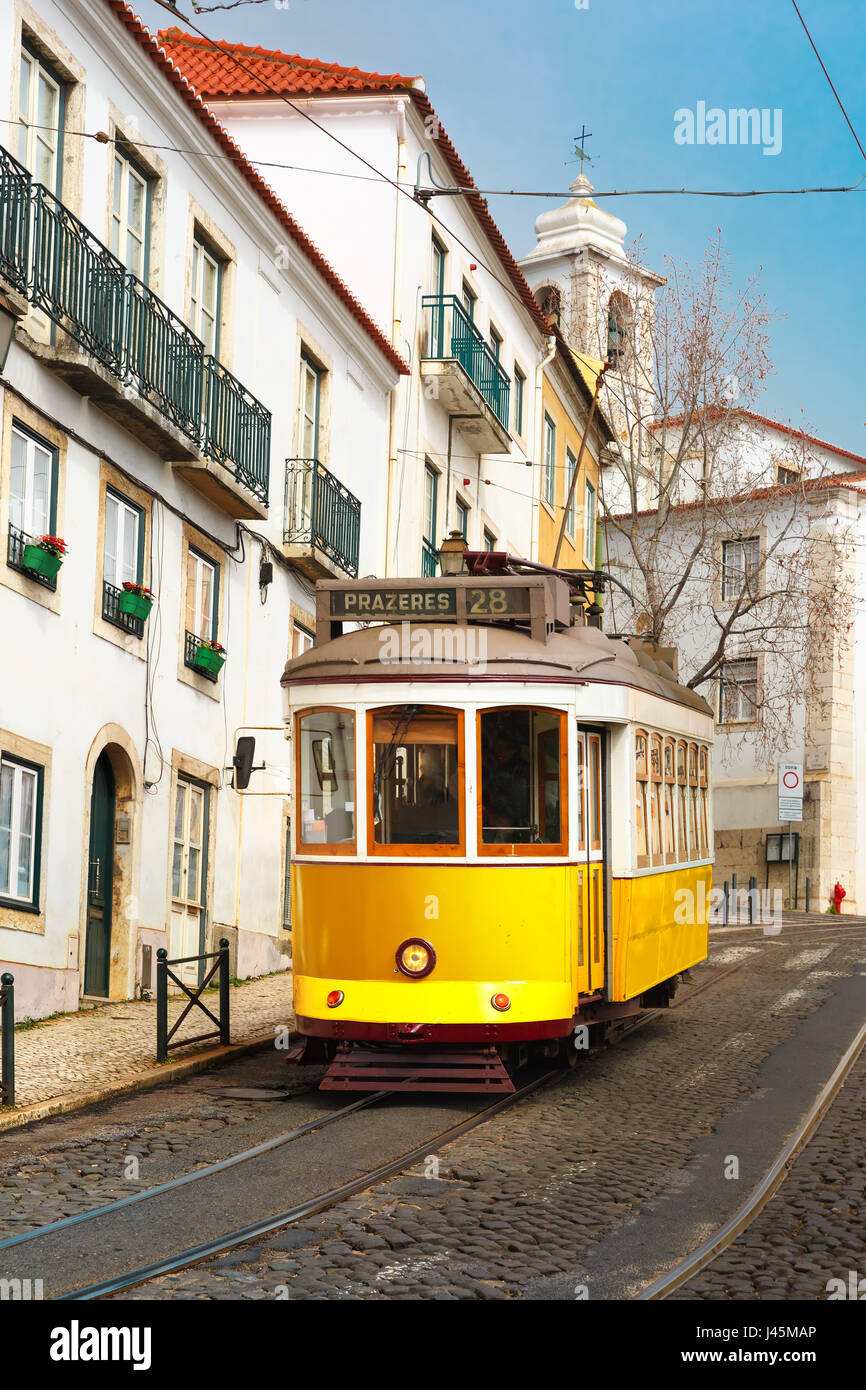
x: 808, y: 890
x: 726, y: 903
x: 225, y: 1031
x: 162, y: 1004
x: 7, y: 1044
x: 753, y: 888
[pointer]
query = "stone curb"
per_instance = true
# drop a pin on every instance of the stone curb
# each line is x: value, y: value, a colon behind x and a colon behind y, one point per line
x: 138, y: 1081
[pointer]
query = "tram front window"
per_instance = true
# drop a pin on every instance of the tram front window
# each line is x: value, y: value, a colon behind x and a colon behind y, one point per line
x: 416, y: 789
x: 521, y: 793
x: 326, y: 774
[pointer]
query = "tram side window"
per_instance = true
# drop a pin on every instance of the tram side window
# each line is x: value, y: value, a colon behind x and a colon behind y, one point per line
x: 640, y: 797
x: 416, y: 776
x: 703, y: 793
x: 326, y: 778
x: 522, y: 797
x: 682, y: 806
x: 694, y: 837
x: 670, y: 833
x: 655, y: 797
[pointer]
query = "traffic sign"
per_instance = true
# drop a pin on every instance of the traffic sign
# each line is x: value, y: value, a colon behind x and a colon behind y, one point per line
x: 790, y: 791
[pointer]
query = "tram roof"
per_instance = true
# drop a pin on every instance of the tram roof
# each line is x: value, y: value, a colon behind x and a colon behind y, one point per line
x: 578, y: 654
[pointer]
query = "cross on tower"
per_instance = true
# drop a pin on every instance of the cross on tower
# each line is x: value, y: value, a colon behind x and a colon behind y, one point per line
x: 580, y: 146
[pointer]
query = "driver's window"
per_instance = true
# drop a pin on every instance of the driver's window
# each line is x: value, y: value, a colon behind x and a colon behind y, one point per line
x: 326, y: 781
x: 522, y: 782
x: 416, y: 783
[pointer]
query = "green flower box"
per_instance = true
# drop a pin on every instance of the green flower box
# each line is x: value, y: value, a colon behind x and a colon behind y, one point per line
x: 136, y: 605
x: 41, y: 561
x: 206, y: 659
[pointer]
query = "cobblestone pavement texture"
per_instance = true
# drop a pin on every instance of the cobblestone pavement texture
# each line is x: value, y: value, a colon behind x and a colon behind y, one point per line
x: 813, y: 1229
x: 530, y: 1192
x: 80, y: 1053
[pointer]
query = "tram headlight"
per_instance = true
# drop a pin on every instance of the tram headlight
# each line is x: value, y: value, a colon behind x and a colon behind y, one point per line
x: 334, y: 998
x: 501, y: 1002
x: 415, y: 958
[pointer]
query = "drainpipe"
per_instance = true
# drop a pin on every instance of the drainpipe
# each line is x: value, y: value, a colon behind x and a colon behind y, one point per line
x: 539, y: 440
x: 396, y: 329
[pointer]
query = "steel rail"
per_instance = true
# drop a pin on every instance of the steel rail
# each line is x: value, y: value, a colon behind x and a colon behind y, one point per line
x: 772, y: 1180
x: 322, y: 1122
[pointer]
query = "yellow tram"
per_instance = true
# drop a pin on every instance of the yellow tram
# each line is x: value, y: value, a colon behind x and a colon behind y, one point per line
x: 497, y: 808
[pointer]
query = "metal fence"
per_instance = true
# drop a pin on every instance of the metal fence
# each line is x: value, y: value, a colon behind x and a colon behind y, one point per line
x: 452, y: 334
x: 321, y: 511
x: 49, y: 255
x: 165, y: 972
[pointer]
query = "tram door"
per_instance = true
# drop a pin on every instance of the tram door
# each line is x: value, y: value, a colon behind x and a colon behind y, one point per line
x: 590, y: 862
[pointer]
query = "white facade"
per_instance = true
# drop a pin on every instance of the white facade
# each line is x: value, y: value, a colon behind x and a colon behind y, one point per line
x: 75, y: 685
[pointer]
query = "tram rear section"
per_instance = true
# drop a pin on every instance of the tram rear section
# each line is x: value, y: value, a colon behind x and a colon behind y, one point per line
x: 501, y: 828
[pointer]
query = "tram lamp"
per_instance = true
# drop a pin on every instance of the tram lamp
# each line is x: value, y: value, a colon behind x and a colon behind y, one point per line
x: 415, y: 958
x: 451, y: 553
x: 335, y: 997
x: 501, y: 1002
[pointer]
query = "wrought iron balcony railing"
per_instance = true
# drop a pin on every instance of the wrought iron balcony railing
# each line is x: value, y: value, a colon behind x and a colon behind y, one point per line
x: 48, y: 254
x: 111, y: 597
x: 321, y: 511
x: 191, y: 645
x: 429, y: 560
x: 15, y: 558
x: 451, y: 334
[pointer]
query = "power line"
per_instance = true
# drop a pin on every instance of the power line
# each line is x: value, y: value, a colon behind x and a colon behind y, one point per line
x: 829, y: 79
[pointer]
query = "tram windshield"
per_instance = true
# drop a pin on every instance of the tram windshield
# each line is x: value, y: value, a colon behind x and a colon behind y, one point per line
x: 326, y: 768
x: 416, y: 785
x: 521, y: 793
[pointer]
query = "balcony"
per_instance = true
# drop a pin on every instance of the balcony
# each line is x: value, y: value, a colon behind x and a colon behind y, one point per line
x: 129, y: 352
x: 111, y: 597
x: 469, y: 381
x: 15, y: 546
x: 322, y: 522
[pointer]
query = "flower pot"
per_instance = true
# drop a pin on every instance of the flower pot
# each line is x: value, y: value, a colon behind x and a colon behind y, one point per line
x: 206, y: 659
x: 136, y: 605
x: 42, y: 561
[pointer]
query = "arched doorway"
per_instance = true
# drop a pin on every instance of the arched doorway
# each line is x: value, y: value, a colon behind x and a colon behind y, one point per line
x: 100, y: 880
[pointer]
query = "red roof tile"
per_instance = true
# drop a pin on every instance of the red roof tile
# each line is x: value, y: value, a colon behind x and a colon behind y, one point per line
x: 160, y: 59
x: 215, y: 75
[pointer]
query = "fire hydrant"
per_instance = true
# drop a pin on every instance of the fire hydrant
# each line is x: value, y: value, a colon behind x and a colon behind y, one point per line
x: 838, y: 895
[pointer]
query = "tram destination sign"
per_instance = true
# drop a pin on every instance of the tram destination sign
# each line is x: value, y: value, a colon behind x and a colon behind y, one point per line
x: 539, y: 600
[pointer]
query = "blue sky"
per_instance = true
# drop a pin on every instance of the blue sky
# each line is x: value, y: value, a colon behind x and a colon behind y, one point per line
x: 513, y: 84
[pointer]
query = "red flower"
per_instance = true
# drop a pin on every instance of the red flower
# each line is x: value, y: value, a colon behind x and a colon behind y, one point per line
x: 213, y: 646
x: 140, y: 589
x: 53, y: 544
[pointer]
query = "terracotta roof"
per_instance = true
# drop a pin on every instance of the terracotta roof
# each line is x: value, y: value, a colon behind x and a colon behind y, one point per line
x: 290, y: 75
x: 774, y: 425
x: 160, y: 59
x: 825, y: 481
x: 215, y: 75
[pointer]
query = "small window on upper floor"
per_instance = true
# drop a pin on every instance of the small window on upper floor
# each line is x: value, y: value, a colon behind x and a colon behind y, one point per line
x: 589, y: 525
x: 549, y: 461
x: 40, y: 120
x: 787, y: 477
x: 740, y: 566
x: 519, y: 384
x: 469, y: 299
x: 550, y: 303
x: 495, y: 342
x: 130, y: 215
x: 461, y: 509
x: 619, y: 327
x: 202, y: 590
x: 302, y: 639
x: 489, y: 540
x: 206, y: 294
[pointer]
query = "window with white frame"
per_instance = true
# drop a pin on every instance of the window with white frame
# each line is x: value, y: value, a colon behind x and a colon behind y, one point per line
x: 40, y: 112
x: 489, y: 540
x: 738, y: 691
x: 124, y: 531
x: 309, y: 405
x: 32, y: 483
x: 549, y: 482
x: 202, y: 587
x: 130, y: 208
x: 740, y: 564
x: 20, y: 814
x: 571, y: 514
x: 462, y: 510
x: 205, y: 295
x: 589, y: 525
x: 519, y: 383
x: 302, y: 639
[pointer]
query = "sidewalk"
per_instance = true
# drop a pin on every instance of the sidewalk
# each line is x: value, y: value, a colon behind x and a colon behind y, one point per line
x: 80, y: 1058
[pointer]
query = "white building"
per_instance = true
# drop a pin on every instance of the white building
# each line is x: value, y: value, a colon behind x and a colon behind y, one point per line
x: 177, y: 337
x: 436, y: 271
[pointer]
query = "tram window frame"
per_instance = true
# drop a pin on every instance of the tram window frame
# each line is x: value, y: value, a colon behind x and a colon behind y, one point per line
x: 313, y: 847
x: 641, y: 800
x: 409, y: 850
x: 655, y: 801
x: 682, y: 757
x: 694, y: 821
x: 703, y: 799
x: 669, y: 817
x: 537, y: 850
x: 582, y: 784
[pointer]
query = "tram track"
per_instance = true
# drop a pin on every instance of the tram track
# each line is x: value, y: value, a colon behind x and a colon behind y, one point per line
x: 774, y: 1176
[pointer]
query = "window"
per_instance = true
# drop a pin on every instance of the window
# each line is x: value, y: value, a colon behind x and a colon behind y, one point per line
x: 740, y: 565
x: 40, y: 118
x: 523, y: 783
x: 570, y: 466
x: 641, y: 797
x: 787, y: 477
x: 589, y: 525
x: 655, y: 798
x: 20, y: 828
x: 550, y: 303
x: 469, y: 298
x: 325, y: 781
x: 302, y: 639
x: 549, y: 483
x: 489, y: 540
x: 682, y: 806
x: 309, y: 402
x: 437, y: 286
x: 462, y: 510
x: 703, y: 794
x: 738, y: 691
x: 519, y: 384
x: 32, y: 483
x: 130, y: 215
x: 669, y: 826
x: 618, y: 323
x: 429, y: 554
x: 205, y: 295
x: 416, y: 780
x: 122, y: 558
x: 495, y: 342
x: 202, y: 597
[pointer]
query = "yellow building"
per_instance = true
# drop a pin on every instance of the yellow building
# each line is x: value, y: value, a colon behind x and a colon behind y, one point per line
x: 568, y: 385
